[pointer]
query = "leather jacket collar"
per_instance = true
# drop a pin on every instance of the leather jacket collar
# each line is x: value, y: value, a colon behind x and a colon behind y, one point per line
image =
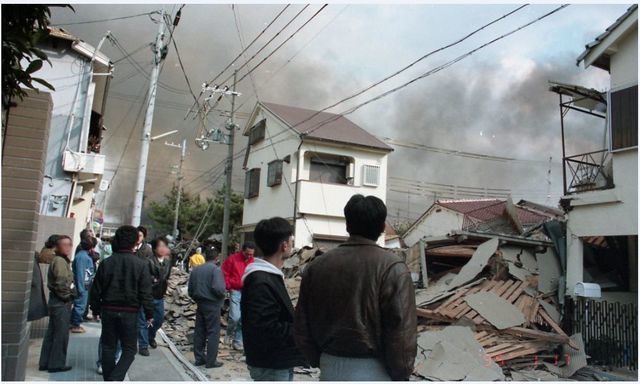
x: 358, y: 240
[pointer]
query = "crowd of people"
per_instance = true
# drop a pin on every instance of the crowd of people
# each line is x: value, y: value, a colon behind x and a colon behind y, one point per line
x: 354, y: 319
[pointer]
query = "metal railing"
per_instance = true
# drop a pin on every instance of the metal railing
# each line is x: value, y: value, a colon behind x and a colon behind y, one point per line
x: 587, y: 172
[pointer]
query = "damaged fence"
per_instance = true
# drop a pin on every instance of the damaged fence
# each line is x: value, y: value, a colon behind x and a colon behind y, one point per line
x: 609, y: 330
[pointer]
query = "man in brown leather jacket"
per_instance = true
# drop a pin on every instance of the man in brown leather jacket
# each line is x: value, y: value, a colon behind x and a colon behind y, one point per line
x: 356, y: 314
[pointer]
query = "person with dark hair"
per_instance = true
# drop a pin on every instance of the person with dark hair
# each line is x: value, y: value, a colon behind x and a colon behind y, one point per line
x: 49, y: 250
x: 53, y: 355
x: 233, y: 269
x: 121, y: 287
x: 206, y: 287
x: 143, y: 248
x: 83, y: 271
x: 356, y: 316
x: 160, y: 267
x: 267, y: 312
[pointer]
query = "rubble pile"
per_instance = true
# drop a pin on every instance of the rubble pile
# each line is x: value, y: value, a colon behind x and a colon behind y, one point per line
x: 180, y: 310
x: 497, y: 314
x: 293, y: 268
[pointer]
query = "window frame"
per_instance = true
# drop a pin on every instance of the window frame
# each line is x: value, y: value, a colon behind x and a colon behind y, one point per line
x: 278, y: 173
x: 257, y: 132
x: 252, y: 178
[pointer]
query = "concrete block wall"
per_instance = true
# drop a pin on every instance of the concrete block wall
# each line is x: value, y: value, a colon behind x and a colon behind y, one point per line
x: 23, y: 160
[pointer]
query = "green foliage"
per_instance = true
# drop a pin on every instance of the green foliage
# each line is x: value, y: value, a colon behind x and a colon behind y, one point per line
x: 192, y: 210
x: 24, y: 26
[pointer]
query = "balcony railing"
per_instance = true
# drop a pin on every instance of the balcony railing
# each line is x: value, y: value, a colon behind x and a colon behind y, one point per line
x: 588, y: 172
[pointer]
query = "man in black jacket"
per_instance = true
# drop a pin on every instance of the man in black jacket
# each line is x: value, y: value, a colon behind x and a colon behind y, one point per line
x: 207, y: 289
x: 266, y: 307
x: 122, y: 285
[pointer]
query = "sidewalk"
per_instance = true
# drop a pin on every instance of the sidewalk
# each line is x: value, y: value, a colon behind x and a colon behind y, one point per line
x: 83, y: 353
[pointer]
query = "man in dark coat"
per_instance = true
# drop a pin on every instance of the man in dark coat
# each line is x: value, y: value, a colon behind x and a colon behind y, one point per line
x: 356, y: 314
x: 206, y: 287
x: 121, y: 287
x: 266, y: 306
x: 53, y: 356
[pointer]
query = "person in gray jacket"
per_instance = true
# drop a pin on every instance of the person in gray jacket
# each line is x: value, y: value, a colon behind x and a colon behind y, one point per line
x: 207, y: 289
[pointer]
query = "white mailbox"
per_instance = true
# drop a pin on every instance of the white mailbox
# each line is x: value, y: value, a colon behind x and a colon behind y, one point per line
x: 587, y: 290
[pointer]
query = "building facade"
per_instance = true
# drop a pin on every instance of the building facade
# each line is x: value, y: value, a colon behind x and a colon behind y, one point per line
x: 305, y: 166
x: 74, y: 165
x: 601, y: 187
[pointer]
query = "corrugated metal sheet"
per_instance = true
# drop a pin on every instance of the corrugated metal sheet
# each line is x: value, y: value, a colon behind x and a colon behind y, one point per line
x: 339, y: 129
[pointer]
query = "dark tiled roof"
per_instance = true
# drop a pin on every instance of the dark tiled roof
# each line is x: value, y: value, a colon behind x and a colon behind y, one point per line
x: 489, y: 209
x: 338, y: 128
x: 606, y: 33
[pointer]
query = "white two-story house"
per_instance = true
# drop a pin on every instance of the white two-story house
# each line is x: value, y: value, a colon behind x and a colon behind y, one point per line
x: 601, y: 182
x: 305, y: 166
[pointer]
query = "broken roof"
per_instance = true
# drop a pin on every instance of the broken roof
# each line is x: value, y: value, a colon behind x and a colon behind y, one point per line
x: 587, y: 98
x: 338, y: 129
x: 78, y: 45
x: 489, y: 209
x: 602, y: 61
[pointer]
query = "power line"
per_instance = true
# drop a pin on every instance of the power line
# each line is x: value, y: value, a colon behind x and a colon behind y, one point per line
x: 243, y: 51
x: 288, y: 61
x: 104, y: 20
x: 133, y: 52
x: 335, y: 117
x: 284, y: 42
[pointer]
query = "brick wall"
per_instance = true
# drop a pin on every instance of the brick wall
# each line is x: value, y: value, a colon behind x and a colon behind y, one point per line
x: 23, y: 161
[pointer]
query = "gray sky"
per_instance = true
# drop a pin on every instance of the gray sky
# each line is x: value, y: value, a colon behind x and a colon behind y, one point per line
x: 494, y: 102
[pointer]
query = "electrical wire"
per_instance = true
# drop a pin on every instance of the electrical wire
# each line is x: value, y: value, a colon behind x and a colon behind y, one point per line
x: 104, y: 20
x: 133, y: 52
x: 281, y: 44
x: 413, y: 63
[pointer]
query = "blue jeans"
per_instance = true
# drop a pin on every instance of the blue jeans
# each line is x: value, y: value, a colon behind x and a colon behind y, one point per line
x: 145, y: 334
x: 79, y: 305
x: 234, y: 328
x: 118, y: 352
x: 269, y: 374
x: 335, y: 368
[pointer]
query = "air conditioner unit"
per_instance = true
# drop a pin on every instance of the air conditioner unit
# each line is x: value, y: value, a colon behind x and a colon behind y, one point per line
x: 78, y: 162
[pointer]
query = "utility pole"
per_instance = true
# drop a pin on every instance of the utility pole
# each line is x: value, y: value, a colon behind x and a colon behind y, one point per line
x: 182, y: 155
x: 231, y: 126
x: 146, y: 132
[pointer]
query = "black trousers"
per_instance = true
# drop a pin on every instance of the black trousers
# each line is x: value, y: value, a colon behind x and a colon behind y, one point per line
x: 54, y: 346
x: 123, y: 327
x: 207, y: 333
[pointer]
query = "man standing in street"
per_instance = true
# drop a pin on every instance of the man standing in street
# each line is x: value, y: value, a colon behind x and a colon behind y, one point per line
x: 233, y: 269
x: 356, y: 314
x: 206, y: 288
x: 143, y: 248
x: 53, y: 356
x: 267, y: 311
x: 121, y: 287
x: 160, y: 272
x: 83, y: 271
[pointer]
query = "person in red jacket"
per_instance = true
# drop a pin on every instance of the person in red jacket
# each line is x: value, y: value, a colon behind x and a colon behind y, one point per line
x: 233, y: 269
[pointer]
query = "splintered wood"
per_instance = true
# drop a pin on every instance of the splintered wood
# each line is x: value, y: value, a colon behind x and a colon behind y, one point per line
x: 538, y: 333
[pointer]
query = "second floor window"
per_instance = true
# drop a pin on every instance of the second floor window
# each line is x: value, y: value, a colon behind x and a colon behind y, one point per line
x: 256, y: 133
x: 623, y: 109
x: 252, y: 183
x: 329, y: 169
x: 274, y: 173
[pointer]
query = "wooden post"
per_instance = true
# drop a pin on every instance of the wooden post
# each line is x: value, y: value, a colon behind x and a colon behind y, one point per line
x: 423, y: 263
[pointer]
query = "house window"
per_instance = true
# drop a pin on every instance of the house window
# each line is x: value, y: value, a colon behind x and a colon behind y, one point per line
x: 329, y: 169
x: 256, y: 133
x: 624, y: 118
x: 274, y: 173
x: 252, y: 183
x: 371, y: 175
